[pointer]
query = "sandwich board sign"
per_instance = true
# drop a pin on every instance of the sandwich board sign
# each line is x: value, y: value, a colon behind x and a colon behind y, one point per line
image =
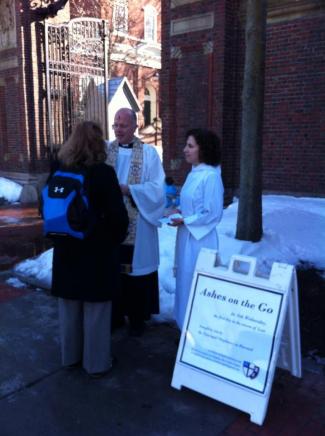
x: 238, y: 327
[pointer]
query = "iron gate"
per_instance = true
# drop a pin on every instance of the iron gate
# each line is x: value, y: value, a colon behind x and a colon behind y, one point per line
x: 76, y: 74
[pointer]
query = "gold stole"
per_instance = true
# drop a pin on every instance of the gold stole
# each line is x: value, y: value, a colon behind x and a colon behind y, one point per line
x: 134, y: 177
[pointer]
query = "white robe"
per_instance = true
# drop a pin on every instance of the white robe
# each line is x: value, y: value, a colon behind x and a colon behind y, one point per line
x: 149, y: 196
x: 201, y: 204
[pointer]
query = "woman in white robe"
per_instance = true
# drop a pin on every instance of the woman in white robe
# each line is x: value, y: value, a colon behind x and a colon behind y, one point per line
x: 201, y: 206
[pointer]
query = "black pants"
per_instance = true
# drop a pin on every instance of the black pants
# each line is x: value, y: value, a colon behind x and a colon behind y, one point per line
x: 138, y: 296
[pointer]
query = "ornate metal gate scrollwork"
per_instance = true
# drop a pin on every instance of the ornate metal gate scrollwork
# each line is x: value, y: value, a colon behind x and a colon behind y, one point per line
x: 76, y: 72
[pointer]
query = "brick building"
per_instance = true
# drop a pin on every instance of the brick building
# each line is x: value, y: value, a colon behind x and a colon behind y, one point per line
x: 202, y: 69
x: 47, y: 68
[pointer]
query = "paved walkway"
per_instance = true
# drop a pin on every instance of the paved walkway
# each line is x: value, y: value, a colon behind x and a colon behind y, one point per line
x: 38, y: 397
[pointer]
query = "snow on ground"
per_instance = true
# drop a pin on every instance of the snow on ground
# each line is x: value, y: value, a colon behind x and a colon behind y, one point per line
x: 16, y: 283
x: 10, y: 190
x: 294, y: 232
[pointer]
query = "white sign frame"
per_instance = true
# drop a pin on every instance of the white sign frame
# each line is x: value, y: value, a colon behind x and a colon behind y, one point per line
x: 284, y: 353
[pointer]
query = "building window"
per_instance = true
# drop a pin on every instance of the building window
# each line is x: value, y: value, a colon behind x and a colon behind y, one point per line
x: 120, y: 15
x: 150, y: 23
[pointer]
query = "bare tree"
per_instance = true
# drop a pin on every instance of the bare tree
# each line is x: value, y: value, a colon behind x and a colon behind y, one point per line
x: 249, y: 220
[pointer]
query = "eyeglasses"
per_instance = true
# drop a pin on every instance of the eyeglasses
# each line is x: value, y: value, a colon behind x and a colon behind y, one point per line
x: 121, y: 126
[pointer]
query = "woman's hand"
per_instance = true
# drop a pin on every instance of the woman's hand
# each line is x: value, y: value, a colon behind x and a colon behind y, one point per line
x: 175, y: 222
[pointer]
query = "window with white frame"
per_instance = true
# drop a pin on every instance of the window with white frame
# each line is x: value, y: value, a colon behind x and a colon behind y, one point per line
x: 120, y: 15
x: 150, y: 23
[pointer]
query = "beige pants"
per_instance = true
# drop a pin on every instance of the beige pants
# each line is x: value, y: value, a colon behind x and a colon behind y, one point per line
x: 85, y: 332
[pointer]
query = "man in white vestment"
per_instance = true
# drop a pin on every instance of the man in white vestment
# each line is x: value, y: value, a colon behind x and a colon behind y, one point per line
x: 141, y: 177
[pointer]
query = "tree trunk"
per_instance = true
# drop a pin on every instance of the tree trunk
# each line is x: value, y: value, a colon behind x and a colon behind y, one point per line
x: 249, y: 220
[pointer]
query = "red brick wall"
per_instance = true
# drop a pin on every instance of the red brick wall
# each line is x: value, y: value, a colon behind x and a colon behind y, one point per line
x: 22, y: 114
x: 294, y: 132
x: 11, y: 145
x: 137, y: 75
x: 23, y: 132
x: 206, y: 91
x: 199, y: 87
x: 233, y: 61
x: 189, y: 95
x: 136, y: 14
x: 103, y: 9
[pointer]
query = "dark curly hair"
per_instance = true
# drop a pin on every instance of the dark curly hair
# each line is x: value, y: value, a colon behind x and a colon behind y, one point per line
x: 209, y: 145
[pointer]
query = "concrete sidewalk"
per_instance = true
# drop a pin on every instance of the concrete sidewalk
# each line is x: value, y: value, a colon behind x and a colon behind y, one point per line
x: 38, y: 397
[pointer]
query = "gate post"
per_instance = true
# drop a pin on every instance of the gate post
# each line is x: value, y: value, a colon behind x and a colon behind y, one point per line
x: 106, y: 79
x: 48, y: 91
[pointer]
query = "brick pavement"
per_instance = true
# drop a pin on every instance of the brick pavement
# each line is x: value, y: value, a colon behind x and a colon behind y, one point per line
x: 296, y: 407
x: 8, y: 292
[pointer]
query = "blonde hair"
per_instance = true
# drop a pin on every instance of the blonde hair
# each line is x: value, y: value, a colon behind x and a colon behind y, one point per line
x: 84, y: 147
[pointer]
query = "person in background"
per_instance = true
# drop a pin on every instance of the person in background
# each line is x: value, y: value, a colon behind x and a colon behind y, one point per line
x: 172, y: 198
x: 201, y: 206
x: 86, y: 272
x: 141, y: 177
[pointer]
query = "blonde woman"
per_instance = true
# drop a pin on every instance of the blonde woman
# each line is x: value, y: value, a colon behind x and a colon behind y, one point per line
x: 86, y: 272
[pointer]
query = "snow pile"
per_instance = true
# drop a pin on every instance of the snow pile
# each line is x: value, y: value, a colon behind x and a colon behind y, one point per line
x: 10, y: 190
x: 294, y: 232
x: 36, y: 271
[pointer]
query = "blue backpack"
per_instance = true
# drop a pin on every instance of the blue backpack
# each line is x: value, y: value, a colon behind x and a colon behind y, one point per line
x: 65, y: 206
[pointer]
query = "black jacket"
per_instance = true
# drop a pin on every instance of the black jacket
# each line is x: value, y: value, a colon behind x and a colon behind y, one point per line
x: 88, y: 269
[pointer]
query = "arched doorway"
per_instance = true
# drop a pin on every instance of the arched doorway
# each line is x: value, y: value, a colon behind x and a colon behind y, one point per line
x: 150, y: 107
